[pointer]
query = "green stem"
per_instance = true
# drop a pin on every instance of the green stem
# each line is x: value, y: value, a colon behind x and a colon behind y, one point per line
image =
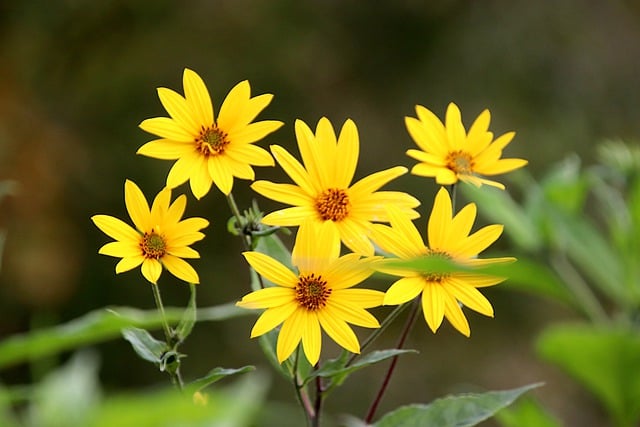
x: 383, y: 387
x: 301, y: 393
x: 165, y: 324
x: 453, y: 192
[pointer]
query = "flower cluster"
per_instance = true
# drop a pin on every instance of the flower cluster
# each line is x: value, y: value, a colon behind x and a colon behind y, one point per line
x: 330, y: 210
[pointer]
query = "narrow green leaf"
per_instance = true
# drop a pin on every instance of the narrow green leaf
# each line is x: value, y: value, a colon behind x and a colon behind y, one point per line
x: 272, y: 245
x: 453, y: 411
x: 189, y: 318
x: 215, y: 375
x: 98, y: 326
x: 145, y: 346
x: 603, y: 360
x: 337, y: 370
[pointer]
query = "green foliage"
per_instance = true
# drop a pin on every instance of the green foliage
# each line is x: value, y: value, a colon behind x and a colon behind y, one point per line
x: 145, y: 346
x: 94, y: 327
x: 338, y: 370
x: 189, y: 318
x: 452, y: 411
x: 604, y: 360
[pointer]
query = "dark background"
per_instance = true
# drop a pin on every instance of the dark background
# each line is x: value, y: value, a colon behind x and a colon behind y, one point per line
x: 77, y: 77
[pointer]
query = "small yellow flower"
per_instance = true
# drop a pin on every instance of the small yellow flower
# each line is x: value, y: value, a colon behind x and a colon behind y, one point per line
x: 442, y: 293
x: 323, y: 193
x: 449, y: 153
x: 160, y: 238
x: 209, y: 150
x: 317, y: 297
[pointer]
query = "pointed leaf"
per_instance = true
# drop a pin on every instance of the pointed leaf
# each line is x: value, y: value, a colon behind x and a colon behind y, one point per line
x: 145, y: 346
x: 453, y: 411
x: 604, y: 360
x: 189, y: 318
x: 215, y: 375
x: 337, y: 370
x: 527, y: 412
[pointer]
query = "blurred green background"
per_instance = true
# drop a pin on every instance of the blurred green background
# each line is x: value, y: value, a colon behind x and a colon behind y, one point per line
x: 76, y: 78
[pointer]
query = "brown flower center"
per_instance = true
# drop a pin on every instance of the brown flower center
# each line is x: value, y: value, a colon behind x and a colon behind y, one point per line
x: 312, y: 292
x: 153, y: 245
x: 460, y: 162
x: 211, y: 141
x: 333, y: 204
x: 437, y: 277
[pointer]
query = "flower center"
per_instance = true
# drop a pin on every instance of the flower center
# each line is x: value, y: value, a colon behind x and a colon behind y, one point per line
x: 333, y: 204
x: 312, y: 292
x: 211, y: 141
x: 153, y: 245
x: 437, y: 277
x: 460, y: 162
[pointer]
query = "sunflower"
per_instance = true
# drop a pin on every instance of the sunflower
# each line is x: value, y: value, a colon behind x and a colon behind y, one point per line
x: 160, y: 238
x: 448, y: 236
x: 448, y: 153
x: 209, y: 150
x: 317, y: 297
x: 323, y: 193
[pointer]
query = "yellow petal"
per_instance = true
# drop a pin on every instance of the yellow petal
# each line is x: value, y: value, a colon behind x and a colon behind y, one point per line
x: 233, y: 105
x: 433, y: 305
x: 429, y: 158
x: 167, y: 128
x: 179, y: 109
x: 363, y: 298
x: 469, y: 296
x: 200, y: 179
x: 455, y: 129
x: 254, y: 131
x: 295, y: 171
x: 339, y: 331
x: 456, y: 317
x: 166, y: 149
x: 310, y: 151
x: 137, y: 206
x: 219, y: 171
x: 404, y: 290
x: 271, y: 318
x: 479, y: 137
x: 373, y: 182
x: 183, y: 252
x: 390, y: 242
x: 347, y: 150
x: 176, y: 210
x: 250, y: 154
x: 197, y: 97
x: 355, y: 235
x: 151, y: 269
x: 129, y: 263
x: 440, y: 220
x: 291, y: 217
x: 350, y: 313
x: 478, y: 241
x: 290, y: 335
x: 160, y: 207
x: 116, y: 228
x: 274, y: 296
x: 271, y: 269
x: 501, y: 166
x: 311, y: 337
x: 284, y: 193
x: 182, y: 169
x: 316, y: 247
x: 180, y: 268
x: 402, y: 225
x: 373, y: 207
x: 120, y: 249
x: 347, y: 271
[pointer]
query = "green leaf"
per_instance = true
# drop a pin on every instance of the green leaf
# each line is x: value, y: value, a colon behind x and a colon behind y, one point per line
x: 533, y: 276
x: 498, y: 206
x: 272, y: 245
x: 213, y: 376
x: 185, y: 326
x: 98, y: 326
x: 603, y: 360
x: 453, y: 411
x: 337, y: 370
x: 527, y: 412
x: 145, y: 346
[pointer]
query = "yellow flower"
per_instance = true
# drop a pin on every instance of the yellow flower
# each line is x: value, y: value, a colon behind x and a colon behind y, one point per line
x: 323, y: 194
x: 449, y: 154
x: 317, y: 297
x: 209, y: 150
x: 160, y: 238
x: 442, y: 293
